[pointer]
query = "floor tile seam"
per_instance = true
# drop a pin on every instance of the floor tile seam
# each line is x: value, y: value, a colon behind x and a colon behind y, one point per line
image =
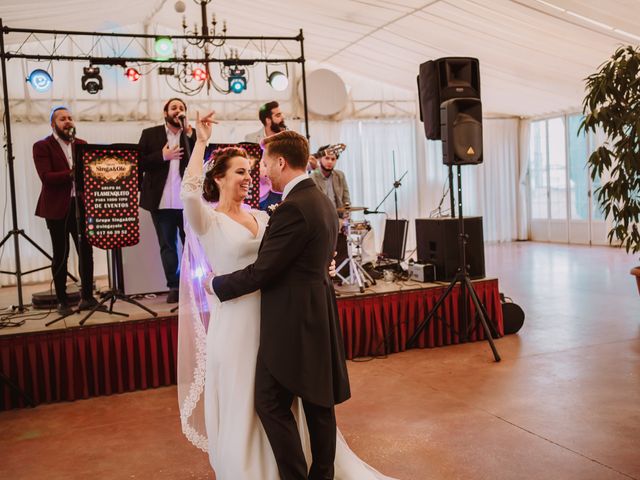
x: 512, y: 361
x: 564, y: 447
x: 579, y: 347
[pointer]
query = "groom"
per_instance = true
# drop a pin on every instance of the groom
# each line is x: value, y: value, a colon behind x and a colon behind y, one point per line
x: 301, y: 350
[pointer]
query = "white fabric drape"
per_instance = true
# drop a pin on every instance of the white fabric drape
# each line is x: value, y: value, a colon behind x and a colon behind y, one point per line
x: 368, y: 163
x: 490, y: 190
x: 28, y: 187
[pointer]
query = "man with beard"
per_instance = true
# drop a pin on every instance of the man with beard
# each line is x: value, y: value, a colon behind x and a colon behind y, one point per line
x: 331, y: 181
x: 163, y: 159
x: 272, y: 120
x: 53, y: 158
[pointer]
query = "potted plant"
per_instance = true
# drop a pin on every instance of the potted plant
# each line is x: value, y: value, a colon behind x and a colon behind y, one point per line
x: 612, y: 103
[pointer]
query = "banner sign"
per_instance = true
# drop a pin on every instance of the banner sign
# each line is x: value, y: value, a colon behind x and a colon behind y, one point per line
x: 255, y: 154
x: 109, y: 179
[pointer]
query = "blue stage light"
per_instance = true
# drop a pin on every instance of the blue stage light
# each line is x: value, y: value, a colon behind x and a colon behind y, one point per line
x: 237, y: 80
x: 40, y: 80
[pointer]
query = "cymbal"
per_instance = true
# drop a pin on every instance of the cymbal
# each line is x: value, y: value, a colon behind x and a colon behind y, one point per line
x: 350, y: 209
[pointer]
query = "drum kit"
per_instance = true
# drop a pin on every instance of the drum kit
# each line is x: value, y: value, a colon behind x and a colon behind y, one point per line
x: 355, y: 232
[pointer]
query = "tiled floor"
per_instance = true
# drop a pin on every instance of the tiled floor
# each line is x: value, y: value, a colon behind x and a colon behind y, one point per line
x: 564, y: 403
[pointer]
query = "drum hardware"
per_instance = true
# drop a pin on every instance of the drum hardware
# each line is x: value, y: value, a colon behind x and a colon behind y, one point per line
x: 355, y: 233
x: 348, y: 209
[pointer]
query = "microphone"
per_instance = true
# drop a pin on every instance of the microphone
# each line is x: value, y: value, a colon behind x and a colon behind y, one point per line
x: 371, y: 212
x: 181, y: 118
x: 71, y: 131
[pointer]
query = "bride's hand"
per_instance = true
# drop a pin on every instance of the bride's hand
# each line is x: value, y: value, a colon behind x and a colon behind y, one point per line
x: 204, y: 125
x: 206, y: 283
x: 332, y: 267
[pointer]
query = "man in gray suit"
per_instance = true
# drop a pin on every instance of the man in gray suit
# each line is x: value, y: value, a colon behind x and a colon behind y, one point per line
x: 272, y: 120
x: 329, y: 180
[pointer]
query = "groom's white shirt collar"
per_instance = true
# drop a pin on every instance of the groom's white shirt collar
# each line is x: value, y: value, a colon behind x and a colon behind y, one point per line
x: 289, y: 186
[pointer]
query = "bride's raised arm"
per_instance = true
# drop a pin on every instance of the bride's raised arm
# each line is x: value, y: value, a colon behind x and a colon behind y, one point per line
x: 195, y: 211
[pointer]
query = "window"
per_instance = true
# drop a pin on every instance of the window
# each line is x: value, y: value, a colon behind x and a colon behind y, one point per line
x: 538, y: 170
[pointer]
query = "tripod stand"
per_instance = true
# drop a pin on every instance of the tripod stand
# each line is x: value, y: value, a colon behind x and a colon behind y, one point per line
x: 466, y: 290
x: 357, y: 274
x: 117, y: 289
x: 15, y: 233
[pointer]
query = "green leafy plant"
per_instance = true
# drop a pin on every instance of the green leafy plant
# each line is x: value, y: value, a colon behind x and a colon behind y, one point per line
x: 612, y: 103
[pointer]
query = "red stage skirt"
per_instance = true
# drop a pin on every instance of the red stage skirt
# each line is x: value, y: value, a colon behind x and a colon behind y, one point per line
x: 97, y: 360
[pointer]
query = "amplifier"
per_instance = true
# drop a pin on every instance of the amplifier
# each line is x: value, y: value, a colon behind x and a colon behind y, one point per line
x: 422, y: 272
x: 437, y: 243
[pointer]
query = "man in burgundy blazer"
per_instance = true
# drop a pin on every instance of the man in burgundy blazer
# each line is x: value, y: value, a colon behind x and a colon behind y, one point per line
x: 53, y: 158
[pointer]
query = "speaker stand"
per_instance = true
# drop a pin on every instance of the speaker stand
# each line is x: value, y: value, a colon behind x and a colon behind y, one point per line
x: 466, y: 290
x: 451, y: 199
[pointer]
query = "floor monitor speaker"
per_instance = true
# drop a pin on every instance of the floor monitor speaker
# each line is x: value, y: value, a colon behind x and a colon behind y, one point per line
x: 437, y: 242
x: 395, y: 239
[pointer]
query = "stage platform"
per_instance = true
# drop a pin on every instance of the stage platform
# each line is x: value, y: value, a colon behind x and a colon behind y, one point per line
x: 113, y: 354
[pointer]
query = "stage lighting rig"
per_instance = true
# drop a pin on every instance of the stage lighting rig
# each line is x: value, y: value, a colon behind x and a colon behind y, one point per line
x: 277, y: 80
x: 40, y: 80
x: 164, y: 47
x: 132, y: 74
x: 91, y: 80
x: 278, y: 77
x: 200, y: 74
x: 237, y: 80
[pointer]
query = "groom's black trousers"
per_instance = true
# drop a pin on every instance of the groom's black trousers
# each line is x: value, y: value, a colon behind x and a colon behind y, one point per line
x: 273, y: 405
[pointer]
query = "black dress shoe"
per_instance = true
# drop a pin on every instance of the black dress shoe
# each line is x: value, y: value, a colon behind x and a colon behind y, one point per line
x: 173, y: 296
x: 64, y: 309
x: 90, y: 304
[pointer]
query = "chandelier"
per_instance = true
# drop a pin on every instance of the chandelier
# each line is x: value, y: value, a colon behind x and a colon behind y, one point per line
x: 208, y: 41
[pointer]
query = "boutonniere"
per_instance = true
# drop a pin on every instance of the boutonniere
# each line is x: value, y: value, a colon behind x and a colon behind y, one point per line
x: 272, y: 208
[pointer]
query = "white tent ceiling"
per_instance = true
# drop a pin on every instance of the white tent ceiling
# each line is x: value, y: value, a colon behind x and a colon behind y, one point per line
x: 533, y: 54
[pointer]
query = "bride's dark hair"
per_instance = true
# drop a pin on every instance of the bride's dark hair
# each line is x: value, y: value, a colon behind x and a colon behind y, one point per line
x: 220, y: 159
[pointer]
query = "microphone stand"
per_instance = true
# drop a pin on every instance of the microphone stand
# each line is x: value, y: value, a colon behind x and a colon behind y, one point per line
x: 397, y: 183
x: 187, y: 151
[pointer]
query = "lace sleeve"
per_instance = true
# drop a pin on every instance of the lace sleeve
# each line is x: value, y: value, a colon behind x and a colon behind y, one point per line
x: 196, y: 212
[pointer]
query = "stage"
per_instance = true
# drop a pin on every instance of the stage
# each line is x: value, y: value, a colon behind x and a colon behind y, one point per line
x: 113, y: 354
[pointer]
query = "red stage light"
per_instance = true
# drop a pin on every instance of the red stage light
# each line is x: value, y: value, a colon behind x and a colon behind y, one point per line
x: 199, y: 74
x: 132, y: 74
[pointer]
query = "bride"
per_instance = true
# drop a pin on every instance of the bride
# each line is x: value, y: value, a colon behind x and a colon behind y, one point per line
x: 218, y: 342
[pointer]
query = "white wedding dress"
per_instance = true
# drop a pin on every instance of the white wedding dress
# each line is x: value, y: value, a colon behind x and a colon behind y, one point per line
x: 216, y: 371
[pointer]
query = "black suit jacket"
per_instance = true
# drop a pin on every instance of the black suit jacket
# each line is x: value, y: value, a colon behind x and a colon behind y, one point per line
x: 300, y: 339
x: 154, y: 168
